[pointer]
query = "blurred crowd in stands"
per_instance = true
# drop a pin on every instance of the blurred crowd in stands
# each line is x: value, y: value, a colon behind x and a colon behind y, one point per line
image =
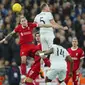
x: 69, y: 13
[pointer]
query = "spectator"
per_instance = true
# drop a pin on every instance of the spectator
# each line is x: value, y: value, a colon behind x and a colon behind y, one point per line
x: 15, y: 51
x: 2, y: 71
x: 14, y: 74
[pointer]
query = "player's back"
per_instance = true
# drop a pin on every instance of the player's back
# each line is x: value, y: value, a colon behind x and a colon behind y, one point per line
x: 58, y: 57
x: 44, y: 18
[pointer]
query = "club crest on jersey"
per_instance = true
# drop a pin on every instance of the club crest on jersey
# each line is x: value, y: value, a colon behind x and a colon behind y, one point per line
x: 21, y: 34
x: 76, y: 54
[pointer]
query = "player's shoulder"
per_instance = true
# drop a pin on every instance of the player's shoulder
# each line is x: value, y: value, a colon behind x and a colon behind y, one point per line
x: 58, y: 46
x: 63, y: 48
x: 31, y: 24
x: 80, y: 49
x: 18, y: 26
x: 45, y: 13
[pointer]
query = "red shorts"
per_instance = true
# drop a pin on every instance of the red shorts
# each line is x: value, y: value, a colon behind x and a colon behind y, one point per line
x: 34, y: 71
x: 75, y: 77
x: 27, y: 49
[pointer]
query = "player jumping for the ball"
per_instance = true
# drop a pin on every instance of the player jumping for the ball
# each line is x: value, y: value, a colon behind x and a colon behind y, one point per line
x: 24, y: 29
x: 47, y: 35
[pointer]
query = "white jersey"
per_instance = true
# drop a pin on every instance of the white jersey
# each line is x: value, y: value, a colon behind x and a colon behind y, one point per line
x: 44, y: 18
x: 58, y: 57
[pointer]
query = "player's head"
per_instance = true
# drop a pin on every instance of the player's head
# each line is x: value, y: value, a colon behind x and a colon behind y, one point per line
x: 56, y: 41
x: 23, y: 21
x: 74, y: 42
x: 37, y: 36
x: 45, y: 7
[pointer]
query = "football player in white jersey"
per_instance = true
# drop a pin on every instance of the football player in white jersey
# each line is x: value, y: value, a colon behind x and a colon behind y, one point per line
x: 58, y: 58
x: 47, y: 34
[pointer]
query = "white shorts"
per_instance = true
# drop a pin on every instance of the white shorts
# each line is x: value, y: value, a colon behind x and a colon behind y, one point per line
x: 54, y: 73
x: 46, y: 40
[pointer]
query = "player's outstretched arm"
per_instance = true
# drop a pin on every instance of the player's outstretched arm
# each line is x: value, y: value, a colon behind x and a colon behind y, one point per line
x: 57, y: 26
x: 48, y: 52
x: 68, y: 58
x: 9, y: 35
x: 43, y: 53
x: 45, y: 25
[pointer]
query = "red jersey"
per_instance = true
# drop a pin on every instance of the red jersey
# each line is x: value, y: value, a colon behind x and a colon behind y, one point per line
x: 76, y: 55
x: 38, y: 58
x: 25, y: 34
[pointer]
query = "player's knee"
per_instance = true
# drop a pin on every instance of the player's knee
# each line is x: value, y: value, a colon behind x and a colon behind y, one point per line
x: 23, y: 59
x: 47, y: 79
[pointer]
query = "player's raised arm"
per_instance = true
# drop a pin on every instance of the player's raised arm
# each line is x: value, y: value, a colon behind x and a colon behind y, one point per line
x: 57, y: 25
x: 46, y: 25
x: 9, y: 35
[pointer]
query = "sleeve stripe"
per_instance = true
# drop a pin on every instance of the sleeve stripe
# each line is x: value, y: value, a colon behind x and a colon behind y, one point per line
x: 82, y: 57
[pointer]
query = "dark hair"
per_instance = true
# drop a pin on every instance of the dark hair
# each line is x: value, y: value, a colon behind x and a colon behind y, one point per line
x: 56, y: 41
x: 36, y: 33
x: 43, y: 5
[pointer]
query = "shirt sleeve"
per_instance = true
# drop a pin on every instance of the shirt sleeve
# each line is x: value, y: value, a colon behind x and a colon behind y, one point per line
x: 34, y: 25
x: 16, y: 29
x: 50, y: 16
x: 82, y: 55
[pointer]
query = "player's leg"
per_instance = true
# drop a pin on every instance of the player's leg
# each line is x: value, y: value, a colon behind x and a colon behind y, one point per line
x: 61, y: 77
x: 23, y: 53
x: 23, y: 65
x: 51, y: 74
x: 44, y: 43
x: 49, y: 39
x: 67, y: 77
x: 76, y: 78
x: 32, y: 74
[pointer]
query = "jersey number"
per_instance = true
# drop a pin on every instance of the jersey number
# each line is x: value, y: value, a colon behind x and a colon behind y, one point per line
x: 60, y: 52
x: 41, y: 20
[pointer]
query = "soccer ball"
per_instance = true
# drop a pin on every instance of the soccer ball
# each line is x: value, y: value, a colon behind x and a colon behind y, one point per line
x: 16, y: 7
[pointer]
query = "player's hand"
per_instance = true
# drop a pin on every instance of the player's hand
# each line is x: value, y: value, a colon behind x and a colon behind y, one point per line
x: 37, y: 53
x: 54, y: 26
x: 2, y: 40
x: 65, y: 28
x: 70, y: 74
x: 78, y: 71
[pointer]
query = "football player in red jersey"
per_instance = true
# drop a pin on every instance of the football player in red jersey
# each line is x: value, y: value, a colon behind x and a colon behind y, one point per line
x: 24, y: 29
x: 77, y: 55
x: 37, y: 37
x: 35, y: 69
